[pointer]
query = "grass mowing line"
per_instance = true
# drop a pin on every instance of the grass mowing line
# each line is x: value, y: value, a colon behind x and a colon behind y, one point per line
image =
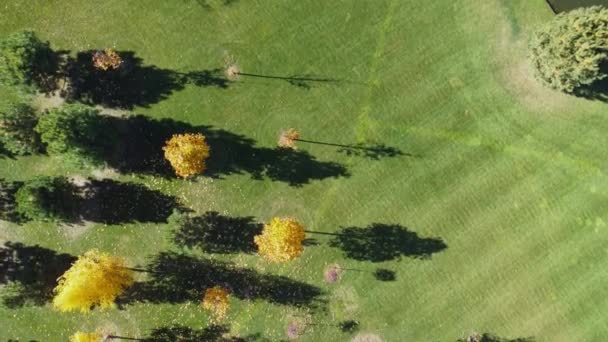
x: 363, y: 120
x: 462, y: 139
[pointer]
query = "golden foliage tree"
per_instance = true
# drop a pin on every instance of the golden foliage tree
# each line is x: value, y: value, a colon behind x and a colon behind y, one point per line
x: 107, y: 59
x: 94, y: 279
x: 287, y: 138
x: 281, y: 240
x: 216, y: 300
x: 86, y: 337
x: 187, y: 153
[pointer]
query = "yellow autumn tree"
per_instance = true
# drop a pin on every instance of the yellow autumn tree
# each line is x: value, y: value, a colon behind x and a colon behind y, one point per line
x: 187, y: 153
x: 96, y: 278
x: 216, y: 300
x: 281, y: 240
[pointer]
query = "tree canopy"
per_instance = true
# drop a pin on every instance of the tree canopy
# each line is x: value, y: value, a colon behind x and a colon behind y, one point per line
x: 24, y: 59
x: 45, y: 198
x: 281, y: 240
x: 96, y: 278
x: 69, y: 130
x: 187, y: 153
x: 17, y: 122
x: 216, y: 300
x: 570, y: 52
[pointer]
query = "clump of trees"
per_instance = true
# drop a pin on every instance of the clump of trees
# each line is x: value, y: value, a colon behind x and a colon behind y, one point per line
x: 24, y: 60
x: 17, y: 122
x: 570, y: 52
x: 46, y: 199
x: 281, y: 240
x: 96, y: 278
x: 187, y: 153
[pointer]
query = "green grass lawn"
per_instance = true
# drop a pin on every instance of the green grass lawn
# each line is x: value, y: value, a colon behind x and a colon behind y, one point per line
x: 510, y: 176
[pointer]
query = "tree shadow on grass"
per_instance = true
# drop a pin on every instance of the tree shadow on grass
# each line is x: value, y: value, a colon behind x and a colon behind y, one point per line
x: 370, y: 151
x: 598, y: 90
x: 7, y: 201
x: 301, y: 81
x: 486, y: 337
x: 132, y: 84
x: 209, y: 4
x: 111, y: 202
x: 107, y: 201
x: 31, y: 273
x: 215, y: 233
x: 134, y: 145
x: 186, y: 334
x: 4, y: 153
x: 382, y: 242
x: 176, y: 278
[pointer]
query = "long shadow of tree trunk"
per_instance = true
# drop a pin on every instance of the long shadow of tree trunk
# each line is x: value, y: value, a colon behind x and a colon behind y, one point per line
x: 372, y: 151
x: 298, y: 81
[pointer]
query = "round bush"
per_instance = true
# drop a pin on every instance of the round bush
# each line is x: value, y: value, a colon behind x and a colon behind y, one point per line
x: 570, y: 52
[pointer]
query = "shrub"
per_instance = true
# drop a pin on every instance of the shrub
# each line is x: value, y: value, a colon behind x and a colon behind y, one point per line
x: 24, y: 59
x: 47, y: 199
x: 570, y: 52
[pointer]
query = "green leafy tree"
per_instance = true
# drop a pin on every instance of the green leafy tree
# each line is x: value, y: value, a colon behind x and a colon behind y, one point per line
x: 70, y: 130
x: 570, y: 52
x: 46, y: 199
x: 24, y: 59
x: 17, y: 122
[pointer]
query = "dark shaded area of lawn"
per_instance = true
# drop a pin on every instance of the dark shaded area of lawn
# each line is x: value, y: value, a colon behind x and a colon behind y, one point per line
x: 134, y: 145
x: 559, y: 6
x: 8, y: 208
x: 182, y: 333
x: 107, y: 201
x: 216, y: 233
x: 383, y: 242
x: 31, y: 273
x: 177, y: 278
x: 132, y: 84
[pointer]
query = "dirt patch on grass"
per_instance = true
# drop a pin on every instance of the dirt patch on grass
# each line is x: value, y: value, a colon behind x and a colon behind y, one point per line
x: 42, y: 102
x: 366, y: 337
x: 106, y: 172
